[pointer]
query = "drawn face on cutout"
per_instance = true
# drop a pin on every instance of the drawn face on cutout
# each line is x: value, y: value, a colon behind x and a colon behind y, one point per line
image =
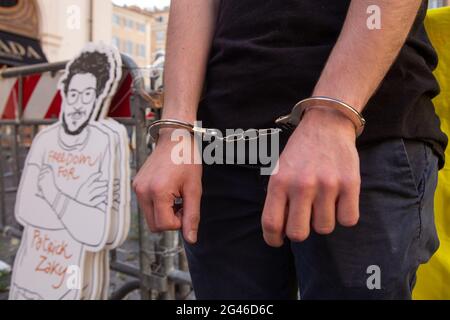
x: 87, y: 86
x: 79, y: 102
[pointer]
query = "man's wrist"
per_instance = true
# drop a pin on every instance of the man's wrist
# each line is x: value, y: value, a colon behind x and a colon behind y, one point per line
x: 180, y: 112
x: 164, y: 130
x: 166, y: 134
x: 323, y: 116
x: 356, y: 101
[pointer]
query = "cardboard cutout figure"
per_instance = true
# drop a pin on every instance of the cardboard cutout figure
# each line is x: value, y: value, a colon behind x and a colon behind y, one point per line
x: 71, y: 199
x: 120, y: 220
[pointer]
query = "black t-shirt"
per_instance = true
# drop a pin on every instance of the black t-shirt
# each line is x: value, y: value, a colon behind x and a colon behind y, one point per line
x: 267, y: 55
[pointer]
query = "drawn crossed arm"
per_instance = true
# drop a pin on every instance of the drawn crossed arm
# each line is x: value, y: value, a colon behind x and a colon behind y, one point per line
x: 84, y: 216
x: 31, y: 207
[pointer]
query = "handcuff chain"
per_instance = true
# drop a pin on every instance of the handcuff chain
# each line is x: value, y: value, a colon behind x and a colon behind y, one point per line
x: 247, y: 135
x: 285, y: 123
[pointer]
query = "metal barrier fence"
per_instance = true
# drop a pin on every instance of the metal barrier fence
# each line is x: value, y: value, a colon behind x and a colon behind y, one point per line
x: 162, y: 270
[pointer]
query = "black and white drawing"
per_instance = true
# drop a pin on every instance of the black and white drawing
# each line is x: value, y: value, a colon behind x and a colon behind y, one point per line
x: 73, y: 196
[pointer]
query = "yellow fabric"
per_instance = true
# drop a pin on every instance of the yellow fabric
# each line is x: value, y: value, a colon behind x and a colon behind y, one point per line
x: 433, y: 279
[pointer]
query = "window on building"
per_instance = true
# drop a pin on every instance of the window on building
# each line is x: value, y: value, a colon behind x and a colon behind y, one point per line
x: 159, y: 19
x: 142, y: 51
x: 129, y: 47
x: 116, y: 42
x: 116, y: 19
x: 160, y: 36
x: 141, y: 27
x: 130, y: 23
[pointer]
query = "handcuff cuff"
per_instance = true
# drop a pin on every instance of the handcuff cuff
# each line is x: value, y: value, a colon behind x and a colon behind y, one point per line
x: 285, y: 123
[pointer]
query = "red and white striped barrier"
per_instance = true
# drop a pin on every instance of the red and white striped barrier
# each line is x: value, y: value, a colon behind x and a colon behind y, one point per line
x: 42, y: 100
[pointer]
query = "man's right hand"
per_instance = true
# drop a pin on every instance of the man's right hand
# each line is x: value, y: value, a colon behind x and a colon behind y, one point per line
x: 160, y: 182
x: 189, y: 37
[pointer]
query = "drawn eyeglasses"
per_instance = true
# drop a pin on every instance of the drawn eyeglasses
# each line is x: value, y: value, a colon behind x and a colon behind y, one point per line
x: 87, y: 96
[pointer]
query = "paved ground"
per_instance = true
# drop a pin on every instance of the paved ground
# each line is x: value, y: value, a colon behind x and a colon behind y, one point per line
x: 8, y: 249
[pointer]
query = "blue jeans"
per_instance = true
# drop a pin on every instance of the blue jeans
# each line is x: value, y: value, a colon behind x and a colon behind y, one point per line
x: 377, y: 259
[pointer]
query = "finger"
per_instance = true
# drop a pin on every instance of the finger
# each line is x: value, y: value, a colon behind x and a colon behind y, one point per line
x: 46, y: 167
x: 191, y: 213
x: 103, y: 196
x: 43, y: 176
x: 165, y: 217
x: 149, y: 212
x: 101, y: 206
x: 44, y: 172
x: 348, y: 207
x: 97, y: 200
x: 98, y: 184
x: 98, y: 191
x: 93, y: 177
x: 146, y: 205
x: 324, y: 211
x: 299, y: 217
x: 274, y: 217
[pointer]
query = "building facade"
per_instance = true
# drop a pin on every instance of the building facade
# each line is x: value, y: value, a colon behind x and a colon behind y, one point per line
x: 60, y: 27
x: 159, y: 30
x: 64, y: 26
x: 67, y: 25
x: 140, y: 33
x: 132, y: 33
x: 20, y: 31
x: 34, y: 31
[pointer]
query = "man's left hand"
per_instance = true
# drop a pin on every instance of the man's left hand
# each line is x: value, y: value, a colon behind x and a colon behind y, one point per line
x: 318, y: 182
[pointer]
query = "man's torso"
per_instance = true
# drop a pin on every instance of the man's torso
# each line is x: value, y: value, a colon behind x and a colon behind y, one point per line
x: 268, y: 55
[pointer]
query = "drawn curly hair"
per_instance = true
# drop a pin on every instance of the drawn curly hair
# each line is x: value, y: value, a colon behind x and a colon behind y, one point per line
x: 95, y: 63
